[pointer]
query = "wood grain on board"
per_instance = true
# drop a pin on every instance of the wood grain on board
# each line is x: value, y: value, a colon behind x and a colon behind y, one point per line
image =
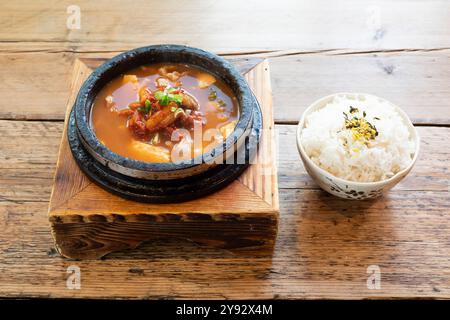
x: 87, y: 222
x: 396, y: 49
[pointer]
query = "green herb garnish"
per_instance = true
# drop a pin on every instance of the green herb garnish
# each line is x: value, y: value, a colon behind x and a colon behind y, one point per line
x: 362, y: 129
x: 165, y: 97
x: 221, y: 103
x: 212, y: 95
x: 177, y: 98
x: 353, y: 110
x: 162, y: 98
x: 147, y: 108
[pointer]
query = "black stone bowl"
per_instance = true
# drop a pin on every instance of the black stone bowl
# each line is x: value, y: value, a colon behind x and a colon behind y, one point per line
x: 164, y: 182
x: 160, y: 54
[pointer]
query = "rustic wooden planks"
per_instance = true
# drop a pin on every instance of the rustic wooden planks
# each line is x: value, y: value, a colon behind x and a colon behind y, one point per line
x: 324, y: 245
x: 322, y: 251
x: 29, y: 151
x: 323, y: 248
x: 416, y: 81
x: 229, y: 26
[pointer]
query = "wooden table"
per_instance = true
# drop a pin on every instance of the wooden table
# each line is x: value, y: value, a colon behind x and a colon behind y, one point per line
x: 399, y: 50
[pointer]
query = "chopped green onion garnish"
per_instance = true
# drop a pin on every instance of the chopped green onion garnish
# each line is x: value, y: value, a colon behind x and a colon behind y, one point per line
x: 177, y: 98
x: 221, y: 103
x: 212, y: 95
x: 353, y: 110
x: 165, y: 97
x: 148, y: 106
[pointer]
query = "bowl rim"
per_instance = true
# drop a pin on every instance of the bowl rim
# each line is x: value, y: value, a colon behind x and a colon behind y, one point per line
x: 315, y: 106
x: 103, y: 153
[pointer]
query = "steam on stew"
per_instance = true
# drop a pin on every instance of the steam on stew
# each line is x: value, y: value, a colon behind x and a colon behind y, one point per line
x: 148, y: 112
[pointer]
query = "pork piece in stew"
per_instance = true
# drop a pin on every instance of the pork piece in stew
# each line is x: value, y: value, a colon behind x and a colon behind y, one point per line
x: 152, y: 111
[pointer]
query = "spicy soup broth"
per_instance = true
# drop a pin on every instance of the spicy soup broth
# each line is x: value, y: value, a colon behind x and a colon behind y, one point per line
x: 136, y: 114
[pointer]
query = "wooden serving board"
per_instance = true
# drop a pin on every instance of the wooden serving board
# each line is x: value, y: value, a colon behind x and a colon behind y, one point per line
x: 87, y: 222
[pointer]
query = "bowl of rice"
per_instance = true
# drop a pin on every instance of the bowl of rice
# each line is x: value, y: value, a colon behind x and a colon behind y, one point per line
x: 356, y: 146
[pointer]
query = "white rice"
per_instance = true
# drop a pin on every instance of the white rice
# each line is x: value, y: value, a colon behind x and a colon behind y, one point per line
x: 330, y: 145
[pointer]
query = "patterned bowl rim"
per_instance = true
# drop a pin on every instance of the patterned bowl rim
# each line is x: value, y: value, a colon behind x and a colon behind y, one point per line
x: 320, y: 103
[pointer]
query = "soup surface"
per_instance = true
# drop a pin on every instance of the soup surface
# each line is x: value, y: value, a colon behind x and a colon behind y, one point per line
x: 151, y: 112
